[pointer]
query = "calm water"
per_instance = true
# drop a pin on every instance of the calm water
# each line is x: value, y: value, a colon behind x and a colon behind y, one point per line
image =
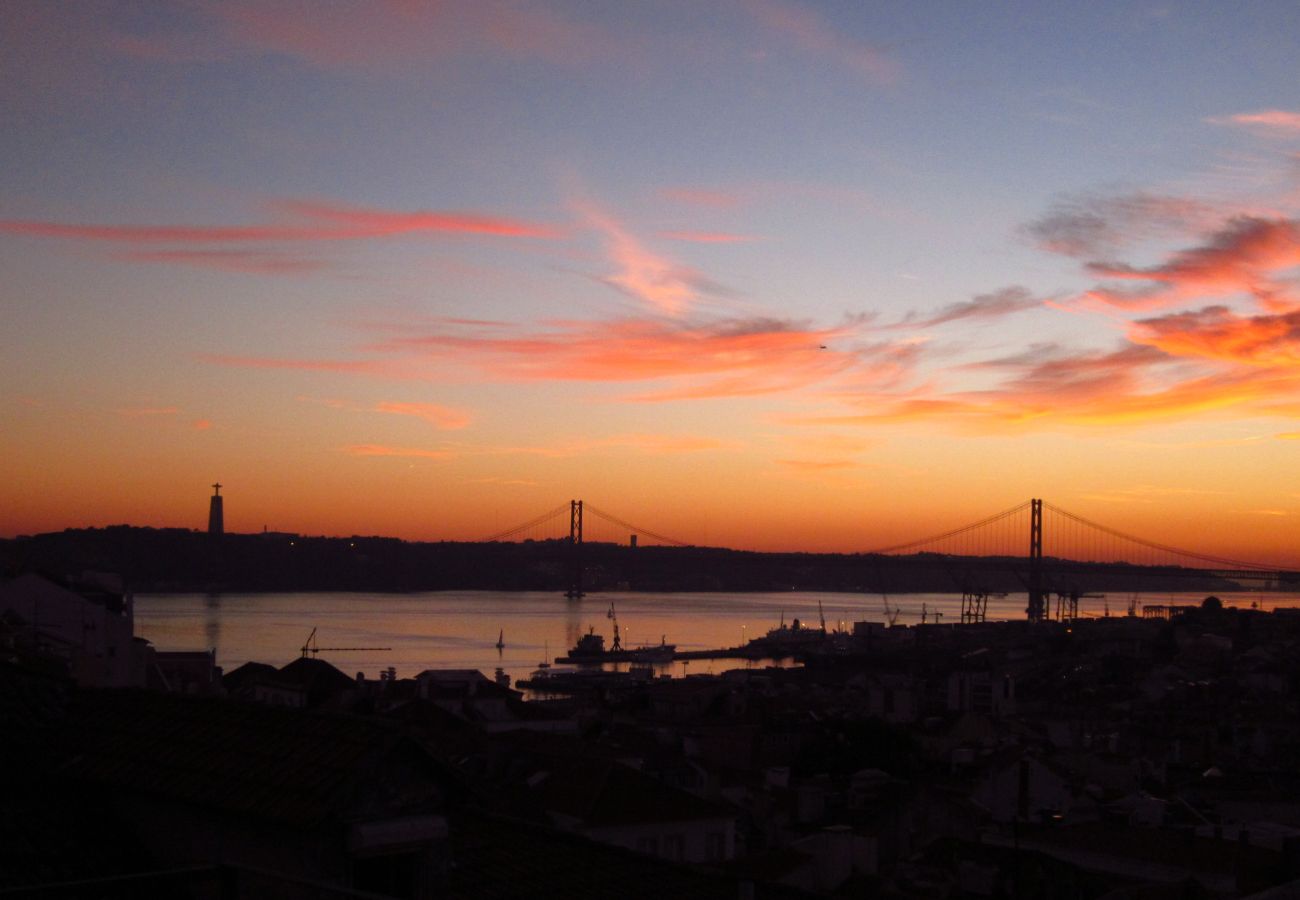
x: 457, y: 629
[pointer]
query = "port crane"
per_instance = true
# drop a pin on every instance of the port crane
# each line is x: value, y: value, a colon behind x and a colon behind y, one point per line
x: 310, y: 647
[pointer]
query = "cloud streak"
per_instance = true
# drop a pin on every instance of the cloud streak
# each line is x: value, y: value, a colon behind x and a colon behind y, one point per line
x: 996, y: 305
x: 1275, y: 121
x: 810, y: 33
x: 642, y: 274
x: 319, y: 222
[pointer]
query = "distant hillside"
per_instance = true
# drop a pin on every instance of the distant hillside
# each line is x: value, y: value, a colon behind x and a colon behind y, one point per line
x: 168, y: 559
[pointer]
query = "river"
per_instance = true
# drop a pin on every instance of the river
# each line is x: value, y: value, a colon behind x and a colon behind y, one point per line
x: 458, y: 629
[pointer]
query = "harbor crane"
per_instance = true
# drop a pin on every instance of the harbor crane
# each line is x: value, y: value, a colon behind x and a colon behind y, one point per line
x: 310, y: 647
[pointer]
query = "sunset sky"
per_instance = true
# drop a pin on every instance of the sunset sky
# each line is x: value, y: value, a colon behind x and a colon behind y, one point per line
x: 756, y: 273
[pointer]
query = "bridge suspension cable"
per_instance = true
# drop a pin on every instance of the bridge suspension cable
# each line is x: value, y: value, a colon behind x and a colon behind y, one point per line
x: 956, y: 532
x: 1163, y: 548
x: 531, y: 523
x: 635, y: 529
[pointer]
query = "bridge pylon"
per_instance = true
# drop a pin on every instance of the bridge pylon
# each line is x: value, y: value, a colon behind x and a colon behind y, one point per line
x: 1037, y: 608
x: 575, y: 591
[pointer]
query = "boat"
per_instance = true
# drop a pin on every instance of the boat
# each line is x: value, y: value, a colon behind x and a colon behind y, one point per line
x: 590, y: 649
x: 546, y: 657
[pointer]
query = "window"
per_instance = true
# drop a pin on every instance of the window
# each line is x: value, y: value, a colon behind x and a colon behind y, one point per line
x: 715, y: 845
x: 674, y: 846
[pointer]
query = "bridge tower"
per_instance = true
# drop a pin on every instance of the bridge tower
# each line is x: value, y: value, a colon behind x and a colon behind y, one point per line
x: 575, y: 551
x: 1037, y: 609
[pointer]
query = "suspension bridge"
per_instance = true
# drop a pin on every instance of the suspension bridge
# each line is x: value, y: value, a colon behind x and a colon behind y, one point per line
x: 1046, y: 547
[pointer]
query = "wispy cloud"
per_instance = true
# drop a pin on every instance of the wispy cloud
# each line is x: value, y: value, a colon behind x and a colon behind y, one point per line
x: 257, y: 262
x: 146, y: 412
x: 385, y: 36
x: 983, y: 306
x: 728, y: 357
x: 808, y: 31
x: 384, y: 450
x: 666, y: 286
x: 650, y: 444
x: 318, y: 221
x: 1274, y: 121
x: 1088, y: 226
x: 708, y: 237
x: 818, y: 465
x: 708, y: 198
x: 444, y: 417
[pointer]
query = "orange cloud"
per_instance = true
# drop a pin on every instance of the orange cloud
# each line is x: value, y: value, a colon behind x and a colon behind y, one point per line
x: 1249, y: 255
x: 1277, y: 121
x: 808, y: 31
x: 1047, y: 387
x: 201, y: 424
x: 719, y: 358
x: 652, y: 444
x: 1217, y: 333
x: 818, y: 465
x: 442, y: 416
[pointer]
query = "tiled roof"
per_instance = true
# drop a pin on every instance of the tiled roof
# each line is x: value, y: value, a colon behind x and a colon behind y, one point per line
x: 284, y: 765
x: 496, y: 859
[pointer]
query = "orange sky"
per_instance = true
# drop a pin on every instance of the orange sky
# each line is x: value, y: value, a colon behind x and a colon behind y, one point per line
x: 773, y: 275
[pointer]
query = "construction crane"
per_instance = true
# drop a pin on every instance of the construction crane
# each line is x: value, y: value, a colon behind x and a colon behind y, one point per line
x: 310, y: 647
x: 618, y: 641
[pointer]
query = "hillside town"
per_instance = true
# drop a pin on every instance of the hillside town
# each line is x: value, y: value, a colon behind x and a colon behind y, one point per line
x: 1128, y: 756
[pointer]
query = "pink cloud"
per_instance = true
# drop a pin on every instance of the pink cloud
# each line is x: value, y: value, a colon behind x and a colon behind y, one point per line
x: 809, y: 32
x: 325, y: 222
x: 644, y: 275
x: 704, y: 197
x: 253, y: 262
x: 443, y: 417
x: 392, y: 35
x: 1278, y: 121
x: 708, y: 237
